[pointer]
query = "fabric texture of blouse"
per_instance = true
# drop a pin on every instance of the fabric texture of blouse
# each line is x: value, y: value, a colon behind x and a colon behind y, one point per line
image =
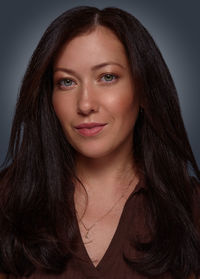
x: 134, y: 221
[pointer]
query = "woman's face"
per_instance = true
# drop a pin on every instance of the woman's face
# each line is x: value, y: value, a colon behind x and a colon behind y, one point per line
x: 93, y: 83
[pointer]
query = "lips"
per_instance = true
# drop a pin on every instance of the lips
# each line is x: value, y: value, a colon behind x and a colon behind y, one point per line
x: 90, y: 129
x: 89, y: 125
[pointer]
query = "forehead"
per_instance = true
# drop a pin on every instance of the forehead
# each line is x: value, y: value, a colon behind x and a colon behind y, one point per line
x: 97, y: 46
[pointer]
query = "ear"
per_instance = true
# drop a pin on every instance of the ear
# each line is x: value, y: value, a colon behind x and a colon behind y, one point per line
x: 141, y: 109
x: 141, y: 105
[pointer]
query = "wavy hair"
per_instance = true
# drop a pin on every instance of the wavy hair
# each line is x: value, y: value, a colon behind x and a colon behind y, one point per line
x: 37, y: 179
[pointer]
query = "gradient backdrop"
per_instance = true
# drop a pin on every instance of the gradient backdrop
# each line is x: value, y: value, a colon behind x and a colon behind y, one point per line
x: 174, y: 25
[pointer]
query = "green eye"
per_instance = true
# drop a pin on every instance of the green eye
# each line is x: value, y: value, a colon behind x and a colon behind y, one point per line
x: 66, y: 82
x: 109, y: 77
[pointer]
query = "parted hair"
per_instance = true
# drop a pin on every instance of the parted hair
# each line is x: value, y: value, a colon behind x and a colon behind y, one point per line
x: 37, y: 227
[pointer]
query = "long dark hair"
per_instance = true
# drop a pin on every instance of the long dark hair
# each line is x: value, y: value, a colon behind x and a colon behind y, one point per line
x: 37, y: 180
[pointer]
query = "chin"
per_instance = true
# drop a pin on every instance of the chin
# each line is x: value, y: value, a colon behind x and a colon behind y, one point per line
x: 92, y: 152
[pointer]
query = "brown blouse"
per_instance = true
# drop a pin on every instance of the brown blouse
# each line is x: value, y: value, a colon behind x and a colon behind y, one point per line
x: 134, y: 221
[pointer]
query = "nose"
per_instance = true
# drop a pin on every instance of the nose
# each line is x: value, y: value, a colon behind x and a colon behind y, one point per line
x: 87, y: 100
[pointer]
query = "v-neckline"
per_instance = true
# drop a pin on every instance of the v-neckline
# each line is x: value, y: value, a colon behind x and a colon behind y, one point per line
x: 108, y: 255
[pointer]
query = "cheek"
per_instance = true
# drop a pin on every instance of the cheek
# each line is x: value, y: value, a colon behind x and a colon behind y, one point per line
x: 125, y: 105
x: 62, y: 108
x: 125, y: 110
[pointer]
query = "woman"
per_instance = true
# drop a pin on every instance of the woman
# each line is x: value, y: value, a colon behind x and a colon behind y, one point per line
x: 97, y: 179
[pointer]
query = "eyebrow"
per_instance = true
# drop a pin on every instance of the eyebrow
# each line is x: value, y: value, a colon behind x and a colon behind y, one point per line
x: 94, y: 68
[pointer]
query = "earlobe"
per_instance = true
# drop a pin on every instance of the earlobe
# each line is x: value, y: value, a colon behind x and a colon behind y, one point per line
x: 141, y: 110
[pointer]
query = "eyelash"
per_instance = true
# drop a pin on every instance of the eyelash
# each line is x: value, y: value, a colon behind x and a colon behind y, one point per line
x: 59, y: 82
x: 110, y: 74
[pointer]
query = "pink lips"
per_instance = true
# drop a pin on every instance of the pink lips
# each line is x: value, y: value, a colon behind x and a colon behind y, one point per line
x: 90, y: 129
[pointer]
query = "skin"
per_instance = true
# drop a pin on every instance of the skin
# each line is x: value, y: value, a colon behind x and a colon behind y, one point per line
x: 85, y: 94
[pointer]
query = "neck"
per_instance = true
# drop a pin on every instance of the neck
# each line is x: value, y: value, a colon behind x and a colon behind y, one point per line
x: 109, y: 174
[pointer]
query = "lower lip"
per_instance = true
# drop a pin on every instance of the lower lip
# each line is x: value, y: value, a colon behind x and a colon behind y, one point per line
x: 90, y: 132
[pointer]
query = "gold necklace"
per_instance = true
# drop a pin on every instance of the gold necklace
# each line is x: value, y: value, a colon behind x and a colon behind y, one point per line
x: 98, y: 220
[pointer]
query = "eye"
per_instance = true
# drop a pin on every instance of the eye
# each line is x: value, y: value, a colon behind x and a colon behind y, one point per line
x: 108, y: 78
x: 66, y: 82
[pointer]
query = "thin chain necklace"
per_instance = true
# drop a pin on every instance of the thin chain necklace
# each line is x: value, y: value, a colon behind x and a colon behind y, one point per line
x: 98, y: 220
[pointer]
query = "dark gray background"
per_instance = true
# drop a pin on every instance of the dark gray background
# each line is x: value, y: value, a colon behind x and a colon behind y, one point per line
x: 173, y: 24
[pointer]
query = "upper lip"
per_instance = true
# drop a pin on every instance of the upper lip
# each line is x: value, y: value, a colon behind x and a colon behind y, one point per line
x: 89, y: 125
